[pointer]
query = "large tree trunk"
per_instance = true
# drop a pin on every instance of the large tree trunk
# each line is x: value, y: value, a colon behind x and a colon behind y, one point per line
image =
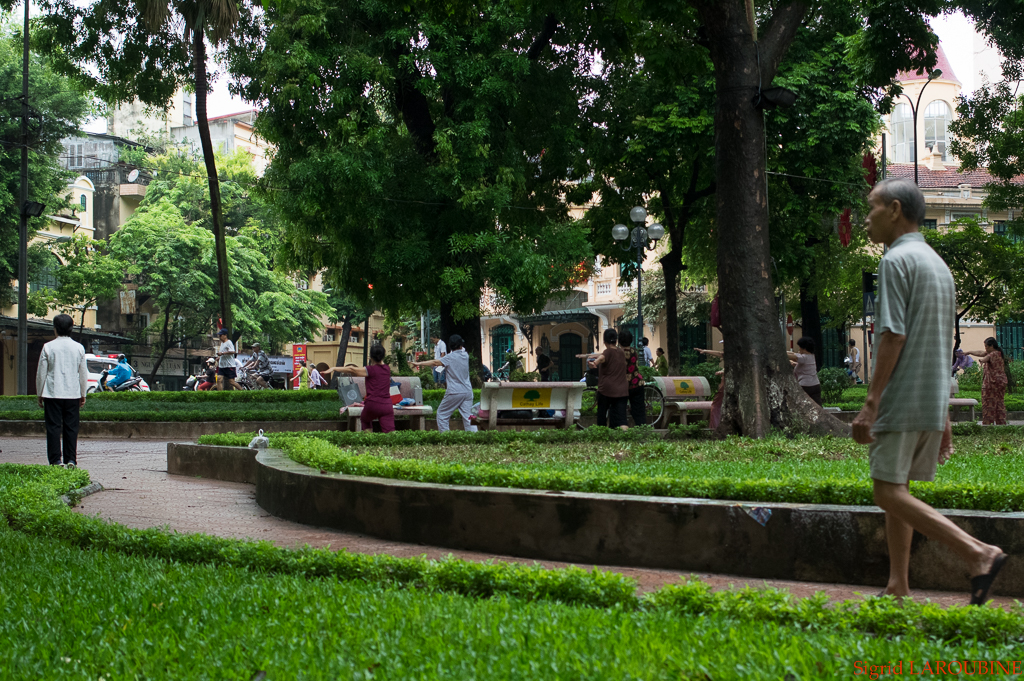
x: 760, y: 390
x: 810, y: 323
x: 469, y: 329
x: 670, y: 267
x: 199, y: 56
x: 346, y: 331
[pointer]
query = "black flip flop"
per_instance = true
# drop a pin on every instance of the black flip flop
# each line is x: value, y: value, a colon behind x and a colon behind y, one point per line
x: 981, y: 584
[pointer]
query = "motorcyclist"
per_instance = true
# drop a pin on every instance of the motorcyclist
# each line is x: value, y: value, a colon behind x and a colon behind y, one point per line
x: 119, y: 374
x: 260, y: 363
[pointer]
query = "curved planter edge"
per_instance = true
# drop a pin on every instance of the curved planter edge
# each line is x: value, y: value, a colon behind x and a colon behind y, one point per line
x: 807, y: 542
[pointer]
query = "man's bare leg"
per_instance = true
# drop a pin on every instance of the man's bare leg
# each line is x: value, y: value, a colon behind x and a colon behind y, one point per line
x: 220, y: 382
x: 898, y: 535
x: 235, y: 385
x: 896, y: 500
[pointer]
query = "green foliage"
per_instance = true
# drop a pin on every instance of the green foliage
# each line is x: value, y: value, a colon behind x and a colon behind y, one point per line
x: 988, y: 132
x: 984, y: 267
x: 834, y: 381
x: 970, y: 378
x: 765, y: 477
x: 60, y: 107
x: 174, y: 263
x: 87, y: 274
x: 439, y: 125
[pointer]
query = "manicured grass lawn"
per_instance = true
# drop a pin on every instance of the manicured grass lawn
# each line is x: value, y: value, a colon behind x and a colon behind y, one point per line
x: 79, y: 614
x: 983, y: 474
x: 223, y: 609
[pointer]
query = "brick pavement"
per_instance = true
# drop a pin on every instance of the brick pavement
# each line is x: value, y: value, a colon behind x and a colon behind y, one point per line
x: 140, y: 493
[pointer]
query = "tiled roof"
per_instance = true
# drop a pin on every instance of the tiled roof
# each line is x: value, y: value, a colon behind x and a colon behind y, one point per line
x: 949, y: 178
x: 942, y: 64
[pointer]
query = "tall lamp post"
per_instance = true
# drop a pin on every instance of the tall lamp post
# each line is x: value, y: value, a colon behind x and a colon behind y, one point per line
x: 913, y: 108
x: 638, y: 240
x: 23, y: 206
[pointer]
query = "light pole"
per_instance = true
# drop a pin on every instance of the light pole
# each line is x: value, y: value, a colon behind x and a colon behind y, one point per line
x: 913, y: 108
x: 638, y: 239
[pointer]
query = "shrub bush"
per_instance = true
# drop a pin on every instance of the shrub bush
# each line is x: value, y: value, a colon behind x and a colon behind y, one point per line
x: 833, y: 382
x: 970, y: 378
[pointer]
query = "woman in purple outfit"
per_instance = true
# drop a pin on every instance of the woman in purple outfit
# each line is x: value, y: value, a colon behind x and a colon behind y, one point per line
x: 377, y: 404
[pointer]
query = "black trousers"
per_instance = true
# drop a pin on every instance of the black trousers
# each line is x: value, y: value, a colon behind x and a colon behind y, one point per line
x: 611, y: 411
x: 636, y: 406
x: 61, y: 426
x: 814, y: 392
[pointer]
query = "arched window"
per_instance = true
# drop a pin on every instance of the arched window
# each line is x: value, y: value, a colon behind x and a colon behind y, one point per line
x: 902, y: 134
x: 82, y: 200
x: 936, y: 123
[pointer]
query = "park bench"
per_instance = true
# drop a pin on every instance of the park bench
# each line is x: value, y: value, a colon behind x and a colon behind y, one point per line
x: 507, y: 396
x: 409, y: 387
x: 960, y: 406
x: 683, y: 394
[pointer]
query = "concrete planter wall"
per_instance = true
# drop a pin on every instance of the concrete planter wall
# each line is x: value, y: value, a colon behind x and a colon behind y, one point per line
x: 799, y: 541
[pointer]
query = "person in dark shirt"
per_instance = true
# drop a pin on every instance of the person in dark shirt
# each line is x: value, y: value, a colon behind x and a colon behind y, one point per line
x: 543, y: 364
x: 612, y: 386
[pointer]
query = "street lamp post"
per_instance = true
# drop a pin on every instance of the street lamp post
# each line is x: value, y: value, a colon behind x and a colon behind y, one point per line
x: 913, y: 108
x: 638, y: 239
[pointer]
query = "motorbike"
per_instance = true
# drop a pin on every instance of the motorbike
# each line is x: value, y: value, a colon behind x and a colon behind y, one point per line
x: 132, y: 384
x: 193, y: 382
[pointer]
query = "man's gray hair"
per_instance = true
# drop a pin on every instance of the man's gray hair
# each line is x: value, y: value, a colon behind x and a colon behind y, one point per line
x: 907, y: 193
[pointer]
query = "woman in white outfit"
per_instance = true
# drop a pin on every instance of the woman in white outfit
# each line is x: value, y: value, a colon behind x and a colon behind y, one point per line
x: 458, y: 392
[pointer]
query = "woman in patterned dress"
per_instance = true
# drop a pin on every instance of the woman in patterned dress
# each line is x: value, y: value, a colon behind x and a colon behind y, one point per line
x: 993, y: 383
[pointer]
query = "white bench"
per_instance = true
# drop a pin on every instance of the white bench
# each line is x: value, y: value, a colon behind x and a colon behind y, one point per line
x: 683, y: 394
x: 498, y: 396
x: 960, y: 406
x: 417, y: 414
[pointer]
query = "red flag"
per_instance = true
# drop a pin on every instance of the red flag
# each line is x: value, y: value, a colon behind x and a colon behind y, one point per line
x: 845, y: 228
x: 870, y: 169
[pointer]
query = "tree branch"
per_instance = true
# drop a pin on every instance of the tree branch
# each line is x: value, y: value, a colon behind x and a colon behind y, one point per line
x: 543, y: 39
x: 778, y: 35
x: 413, y: 104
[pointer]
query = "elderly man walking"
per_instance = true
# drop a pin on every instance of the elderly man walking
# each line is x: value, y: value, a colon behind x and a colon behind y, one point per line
x: 905, y: 418
x: 62, y: 381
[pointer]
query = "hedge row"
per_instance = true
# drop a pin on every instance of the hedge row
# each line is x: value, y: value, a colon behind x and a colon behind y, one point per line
x: 193, y: 397
x: 29, y: 504
x: 321, y: 454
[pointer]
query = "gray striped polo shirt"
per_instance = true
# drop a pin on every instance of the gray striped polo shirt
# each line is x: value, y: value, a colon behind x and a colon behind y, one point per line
x: 917, y: 299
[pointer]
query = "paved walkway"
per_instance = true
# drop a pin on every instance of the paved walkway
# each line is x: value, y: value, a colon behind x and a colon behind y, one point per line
x: 140, y: 493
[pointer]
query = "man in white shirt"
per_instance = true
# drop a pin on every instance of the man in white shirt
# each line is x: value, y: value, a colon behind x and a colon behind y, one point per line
x: 853, y: 362
x: 648, y: 357
x: 227, y: 367
x: 440, y: 350
x: 62, y: 381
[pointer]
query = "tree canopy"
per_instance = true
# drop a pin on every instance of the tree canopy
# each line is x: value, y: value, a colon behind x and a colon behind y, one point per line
x: 423, y: 151
x: 58, y: 109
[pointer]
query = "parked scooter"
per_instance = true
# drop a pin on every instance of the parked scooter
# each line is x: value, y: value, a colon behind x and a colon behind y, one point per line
x: 132, y: 384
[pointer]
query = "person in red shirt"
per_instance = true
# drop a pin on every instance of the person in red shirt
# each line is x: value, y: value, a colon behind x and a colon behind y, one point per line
x: 612, y: 386
x: 377, y: 405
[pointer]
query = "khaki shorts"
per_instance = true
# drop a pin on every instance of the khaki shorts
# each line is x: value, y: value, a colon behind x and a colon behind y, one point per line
x: 897, y: 457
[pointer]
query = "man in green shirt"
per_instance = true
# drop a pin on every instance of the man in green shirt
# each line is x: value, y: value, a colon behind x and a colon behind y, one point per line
x: 905, y: 418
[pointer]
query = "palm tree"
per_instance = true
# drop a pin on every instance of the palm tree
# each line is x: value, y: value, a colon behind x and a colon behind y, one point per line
x: 202, y: 20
